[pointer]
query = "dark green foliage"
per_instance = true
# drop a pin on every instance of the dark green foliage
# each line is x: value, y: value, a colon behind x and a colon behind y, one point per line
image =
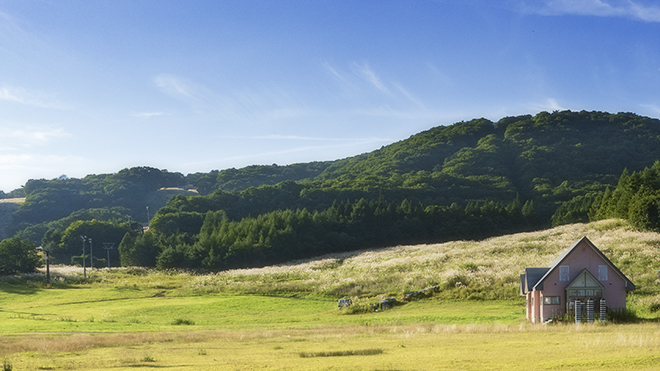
x: 49, y: 200
x: 282, y: 235
x: 471, y: 180
x: 127, y: 250
x: 68, y: 250
x: 183, y: 321
x: 342, y: 353
x: 254, y: 176
x: 18, y: 256
x: 139, y: 252
x: 636, y: 198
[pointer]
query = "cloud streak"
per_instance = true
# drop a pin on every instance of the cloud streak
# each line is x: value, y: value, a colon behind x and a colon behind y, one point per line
x: 306, y: 138
x: 28, y: 137
x: 149, y: 114
x: 35, y: 99
x: 600, y: 8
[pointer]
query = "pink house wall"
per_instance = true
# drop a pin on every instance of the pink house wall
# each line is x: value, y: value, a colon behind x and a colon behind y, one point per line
x: 583, y: 256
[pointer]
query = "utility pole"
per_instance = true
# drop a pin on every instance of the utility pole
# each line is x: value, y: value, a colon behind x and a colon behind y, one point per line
x: 47, y: 263
x: 83, y: 256
x: 108, y: 246
x: 91, y: 254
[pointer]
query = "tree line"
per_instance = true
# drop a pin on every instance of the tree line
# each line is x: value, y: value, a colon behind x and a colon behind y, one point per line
x: 212, y: 240
x: 458, y: 181
x: 635, y: 198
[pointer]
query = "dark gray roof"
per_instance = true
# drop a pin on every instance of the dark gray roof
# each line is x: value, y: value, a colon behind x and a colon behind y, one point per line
x: 539, y: 284
x: 530, y: 278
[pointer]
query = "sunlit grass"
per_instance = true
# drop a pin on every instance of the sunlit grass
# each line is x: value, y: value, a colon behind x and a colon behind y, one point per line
x: 266, y: 318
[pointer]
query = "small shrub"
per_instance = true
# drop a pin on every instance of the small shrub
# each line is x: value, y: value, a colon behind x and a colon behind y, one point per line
x: 182, y: 321
x: 6, y: 365
x: 360, y: 305
x: 201, y: 352
x: 623, y: 316
x: 471, y: 267
x: 148, y: 358
x: 341, y: 353
x: 654, y: 307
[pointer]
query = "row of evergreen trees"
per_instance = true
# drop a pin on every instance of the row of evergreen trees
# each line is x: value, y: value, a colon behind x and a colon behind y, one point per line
x: 222, y: 243
x: 635, y: 198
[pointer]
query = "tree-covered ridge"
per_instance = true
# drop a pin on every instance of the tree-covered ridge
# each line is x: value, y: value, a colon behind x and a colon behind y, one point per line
x: 254, y: 176
x: 475, y: 178
x: 635, y: 198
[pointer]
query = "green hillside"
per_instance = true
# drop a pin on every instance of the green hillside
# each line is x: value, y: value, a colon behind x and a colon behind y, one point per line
x: 473, y: 179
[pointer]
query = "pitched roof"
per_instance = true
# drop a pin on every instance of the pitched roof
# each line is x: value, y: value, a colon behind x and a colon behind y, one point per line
x: 560, y: 259
x: 530, y: 278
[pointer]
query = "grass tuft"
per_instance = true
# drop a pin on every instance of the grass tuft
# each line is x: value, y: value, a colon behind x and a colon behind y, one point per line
x: 342, y: 353
x: 148, y: 358
x: 7, y: 365
x: 182, y: 321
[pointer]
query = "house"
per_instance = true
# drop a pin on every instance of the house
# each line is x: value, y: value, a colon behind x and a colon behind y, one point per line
x: 581, y: 282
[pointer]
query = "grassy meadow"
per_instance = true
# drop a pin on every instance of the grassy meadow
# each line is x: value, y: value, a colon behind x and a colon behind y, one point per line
x: 285, y: 317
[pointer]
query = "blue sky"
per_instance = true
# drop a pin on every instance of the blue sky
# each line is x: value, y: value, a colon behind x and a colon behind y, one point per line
x: 90, y: 87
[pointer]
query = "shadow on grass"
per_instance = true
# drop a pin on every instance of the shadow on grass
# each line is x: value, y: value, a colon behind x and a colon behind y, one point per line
x: 29, y: 283
x: 20, y: 289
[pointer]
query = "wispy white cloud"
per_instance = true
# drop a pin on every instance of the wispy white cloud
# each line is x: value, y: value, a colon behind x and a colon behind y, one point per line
x: 11, y: 32
x: 648, y: 12
x: 243, y: 106
x: 31, y: 98
x: 367, y: 74
x: 653, y: 107
x: 149, y: 114
x: 28, y: 137
x: 550, y: 104
x: 362, y: 79
x: 307, y: 138
x: 18, y: 168
x: 266, y: 157
x: 176, y: 87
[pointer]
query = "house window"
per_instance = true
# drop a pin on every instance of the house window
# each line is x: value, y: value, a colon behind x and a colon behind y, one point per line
x: 564, y: 273
x: 602, y: 272
x: 551, y: 300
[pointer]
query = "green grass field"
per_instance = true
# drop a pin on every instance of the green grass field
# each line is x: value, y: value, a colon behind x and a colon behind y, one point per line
x: 285, y: 317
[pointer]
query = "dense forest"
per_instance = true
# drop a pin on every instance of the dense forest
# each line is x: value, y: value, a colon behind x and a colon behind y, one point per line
x: 469, y: 180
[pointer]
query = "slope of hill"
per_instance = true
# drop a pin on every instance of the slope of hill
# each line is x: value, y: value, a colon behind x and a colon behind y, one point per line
x: 7, y: 208
x: 475, y: 178
x: 488, y: 269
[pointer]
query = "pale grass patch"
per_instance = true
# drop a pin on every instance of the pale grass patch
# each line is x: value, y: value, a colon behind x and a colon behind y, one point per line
x: 400, y: 268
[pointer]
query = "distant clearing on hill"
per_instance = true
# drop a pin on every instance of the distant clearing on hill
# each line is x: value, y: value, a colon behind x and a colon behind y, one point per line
x: 17, y: 200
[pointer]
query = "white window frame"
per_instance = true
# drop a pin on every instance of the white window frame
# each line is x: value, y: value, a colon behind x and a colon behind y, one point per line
x: 551, y: 300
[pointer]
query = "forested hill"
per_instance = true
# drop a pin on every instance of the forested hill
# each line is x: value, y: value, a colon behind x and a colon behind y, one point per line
x: 468, y: 180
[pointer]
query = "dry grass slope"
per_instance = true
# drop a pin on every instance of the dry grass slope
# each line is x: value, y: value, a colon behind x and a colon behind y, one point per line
x: 486, y: 269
